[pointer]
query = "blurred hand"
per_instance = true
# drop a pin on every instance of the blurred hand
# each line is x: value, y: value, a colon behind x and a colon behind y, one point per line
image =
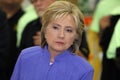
x: 37, y: 39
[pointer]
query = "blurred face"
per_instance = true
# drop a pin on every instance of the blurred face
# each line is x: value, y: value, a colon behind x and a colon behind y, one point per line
x: 11, y: 3
x: 104, y: 22
x: 41, y: 5
x: 60, y: 34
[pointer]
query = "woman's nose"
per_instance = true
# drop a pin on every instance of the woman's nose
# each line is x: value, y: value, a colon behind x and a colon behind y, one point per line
x: 61, y: 34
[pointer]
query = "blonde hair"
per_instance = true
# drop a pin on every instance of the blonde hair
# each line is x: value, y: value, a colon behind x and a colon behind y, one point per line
x: 60, y: 9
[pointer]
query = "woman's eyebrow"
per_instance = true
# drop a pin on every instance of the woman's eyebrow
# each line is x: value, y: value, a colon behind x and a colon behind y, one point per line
x: 65, y: 26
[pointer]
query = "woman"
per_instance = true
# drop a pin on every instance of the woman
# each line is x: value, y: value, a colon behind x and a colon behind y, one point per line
x: 60, y: 38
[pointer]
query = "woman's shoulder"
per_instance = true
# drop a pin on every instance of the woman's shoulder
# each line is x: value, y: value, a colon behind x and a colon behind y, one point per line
x: 31, y: 51
x: 81, y: 63
x: 33, y: 48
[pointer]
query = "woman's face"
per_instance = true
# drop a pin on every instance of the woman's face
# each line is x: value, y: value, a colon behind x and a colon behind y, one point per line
x: 60, y: 34
x: 104, y: 22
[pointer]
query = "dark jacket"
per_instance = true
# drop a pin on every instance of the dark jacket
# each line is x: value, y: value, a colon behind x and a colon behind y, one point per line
x: 12, y: 22
x: 28, y: 33
x: 4, y: 45
x: 109, y: 69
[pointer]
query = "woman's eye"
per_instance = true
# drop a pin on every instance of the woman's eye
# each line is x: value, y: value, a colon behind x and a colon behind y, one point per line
x: 55, y: 27
x: 69, y: 30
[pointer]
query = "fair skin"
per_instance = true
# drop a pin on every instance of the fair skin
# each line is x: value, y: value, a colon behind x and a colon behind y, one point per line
x: 37, y: 38
x: 60, y: 35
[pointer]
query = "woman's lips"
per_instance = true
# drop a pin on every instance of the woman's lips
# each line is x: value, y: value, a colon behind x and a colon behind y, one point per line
x: 60, y: 42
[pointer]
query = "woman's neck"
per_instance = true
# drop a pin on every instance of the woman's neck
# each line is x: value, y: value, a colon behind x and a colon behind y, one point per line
x: 53, y: 54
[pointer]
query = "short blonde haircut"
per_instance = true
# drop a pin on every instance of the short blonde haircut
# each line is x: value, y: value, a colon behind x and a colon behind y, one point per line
x: 59, y: 9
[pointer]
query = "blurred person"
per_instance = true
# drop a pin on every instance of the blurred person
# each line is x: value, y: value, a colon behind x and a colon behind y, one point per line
x: 24, y: 20
x: 93, y: 33
x: 102, y: 9
x: 55, y: 59
x: 4, y: 46
x: 34, y: 26
x: 109, y: 42
x: 13, y: 11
